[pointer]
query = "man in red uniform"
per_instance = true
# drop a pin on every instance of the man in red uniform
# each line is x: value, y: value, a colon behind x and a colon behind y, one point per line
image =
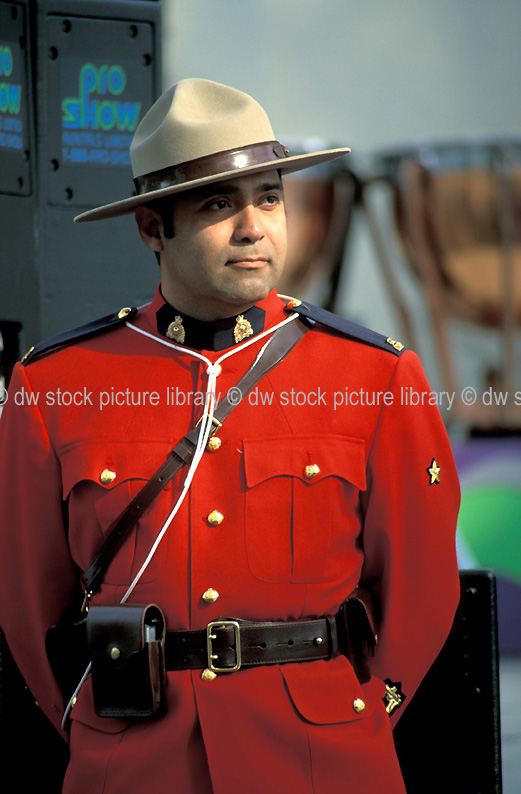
x: 324, y: 482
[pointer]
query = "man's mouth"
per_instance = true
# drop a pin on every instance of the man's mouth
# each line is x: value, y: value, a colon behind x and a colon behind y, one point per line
x: 248, y: 262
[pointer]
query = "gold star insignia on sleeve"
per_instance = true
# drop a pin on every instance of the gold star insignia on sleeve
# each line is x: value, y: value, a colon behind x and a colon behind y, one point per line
x: 434, y: 472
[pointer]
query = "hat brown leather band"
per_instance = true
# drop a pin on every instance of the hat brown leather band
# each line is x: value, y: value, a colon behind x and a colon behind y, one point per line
x: 212, y: 165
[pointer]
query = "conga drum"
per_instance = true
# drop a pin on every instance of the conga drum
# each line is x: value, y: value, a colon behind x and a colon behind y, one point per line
x: 457, y: 213
x: 319, y: 206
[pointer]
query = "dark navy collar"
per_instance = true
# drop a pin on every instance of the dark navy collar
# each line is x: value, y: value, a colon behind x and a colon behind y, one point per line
x: 216, y: 335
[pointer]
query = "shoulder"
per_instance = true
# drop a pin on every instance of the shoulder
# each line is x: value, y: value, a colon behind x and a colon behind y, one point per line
x: 346, y: 328
x: 101, y: 325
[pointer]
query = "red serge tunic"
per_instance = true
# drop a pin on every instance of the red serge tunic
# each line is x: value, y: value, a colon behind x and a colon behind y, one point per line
x: 380, y: 509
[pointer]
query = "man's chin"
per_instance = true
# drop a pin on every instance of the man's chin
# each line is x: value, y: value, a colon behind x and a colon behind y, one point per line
x: 248, y: 295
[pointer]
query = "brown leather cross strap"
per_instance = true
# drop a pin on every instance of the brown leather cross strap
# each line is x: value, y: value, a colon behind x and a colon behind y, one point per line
x: 282, y: 341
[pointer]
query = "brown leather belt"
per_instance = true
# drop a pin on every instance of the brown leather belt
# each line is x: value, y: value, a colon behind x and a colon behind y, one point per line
x: 228, y: 644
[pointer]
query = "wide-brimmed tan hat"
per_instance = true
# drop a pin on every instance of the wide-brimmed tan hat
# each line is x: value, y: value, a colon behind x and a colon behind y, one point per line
x: 200, y: 132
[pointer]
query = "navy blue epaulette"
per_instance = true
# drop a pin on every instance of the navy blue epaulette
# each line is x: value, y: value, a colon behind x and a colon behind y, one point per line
x: 345, y: 327
x: 107, y: 323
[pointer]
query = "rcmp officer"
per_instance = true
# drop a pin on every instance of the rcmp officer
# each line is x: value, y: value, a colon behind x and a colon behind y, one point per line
x: 300, y: 552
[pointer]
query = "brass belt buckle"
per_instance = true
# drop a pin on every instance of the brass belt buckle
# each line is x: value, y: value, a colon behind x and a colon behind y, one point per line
x: 215, y: 625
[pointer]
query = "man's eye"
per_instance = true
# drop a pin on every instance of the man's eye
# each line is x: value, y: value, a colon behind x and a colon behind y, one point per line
x: 216, y: 204
x: 271, y: 199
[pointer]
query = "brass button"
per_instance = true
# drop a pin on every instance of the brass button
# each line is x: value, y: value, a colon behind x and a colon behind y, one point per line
x: 210, y: 595
x: 208, y: 675
x: 311, y: 471
x: 215, y: 518
x: 124, y: 312
x: 294, y: 303
x: 107, y: 476
x: 358, y: 705
x: 115, y: 653
x: 214, y: 443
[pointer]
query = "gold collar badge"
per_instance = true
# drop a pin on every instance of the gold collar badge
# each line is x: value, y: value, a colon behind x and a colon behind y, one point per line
x: 176, y: 330
x: 242, y: 329
x: 434, y: 472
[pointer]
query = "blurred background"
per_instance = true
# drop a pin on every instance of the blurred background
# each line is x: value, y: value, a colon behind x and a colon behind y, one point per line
x: 372, y: 75
x: 416, y: 234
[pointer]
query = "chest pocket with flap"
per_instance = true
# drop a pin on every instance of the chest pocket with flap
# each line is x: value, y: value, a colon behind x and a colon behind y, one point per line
x: 100, y: 479
x: 302, y: 514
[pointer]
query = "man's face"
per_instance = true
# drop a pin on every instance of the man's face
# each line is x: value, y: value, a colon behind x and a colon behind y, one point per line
x: 228, y: 248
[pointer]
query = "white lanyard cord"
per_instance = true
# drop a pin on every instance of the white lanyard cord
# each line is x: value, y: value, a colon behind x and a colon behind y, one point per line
x: 231, y: 352
x: 213, y: 370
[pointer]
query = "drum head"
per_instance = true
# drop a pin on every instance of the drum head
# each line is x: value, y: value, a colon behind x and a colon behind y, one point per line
x: 458, y: 216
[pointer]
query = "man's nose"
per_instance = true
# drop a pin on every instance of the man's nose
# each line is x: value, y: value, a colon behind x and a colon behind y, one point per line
x: 248, y: 225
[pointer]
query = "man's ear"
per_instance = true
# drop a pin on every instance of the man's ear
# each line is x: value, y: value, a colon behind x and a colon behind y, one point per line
x: 150, y: 227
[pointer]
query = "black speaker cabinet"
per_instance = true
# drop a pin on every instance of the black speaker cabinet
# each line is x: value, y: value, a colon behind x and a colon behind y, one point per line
x: 449, y: 738
x: 76, y: 76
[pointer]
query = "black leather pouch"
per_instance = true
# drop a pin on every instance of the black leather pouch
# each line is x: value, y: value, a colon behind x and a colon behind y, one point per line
x: 127, y: 649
